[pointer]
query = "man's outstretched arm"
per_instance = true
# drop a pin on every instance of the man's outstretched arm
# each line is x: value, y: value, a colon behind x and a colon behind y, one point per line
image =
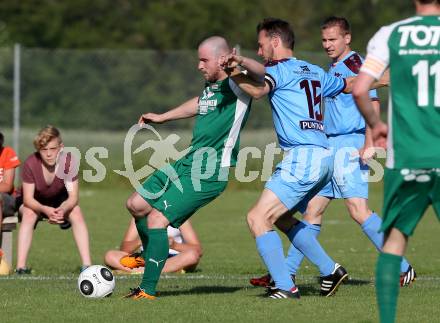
x: 383, y: 81
x: 187, y: 109
x: 252, y: 80
x: 254, y: 69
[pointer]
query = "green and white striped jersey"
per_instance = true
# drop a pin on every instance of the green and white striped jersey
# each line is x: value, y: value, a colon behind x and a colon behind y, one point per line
x: 411, y: 48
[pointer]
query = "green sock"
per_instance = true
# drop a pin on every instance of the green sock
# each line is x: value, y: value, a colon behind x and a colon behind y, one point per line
x: 141, y: 226
x: 387, y: 286
x: 155, y: 256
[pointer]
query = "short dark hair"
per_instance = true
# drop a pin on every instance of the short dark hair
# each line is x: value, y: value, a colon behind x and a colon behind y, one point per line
x: 334, y: 21
x: 278, y: 27
x: 429, y: 1
x: 2, y: 140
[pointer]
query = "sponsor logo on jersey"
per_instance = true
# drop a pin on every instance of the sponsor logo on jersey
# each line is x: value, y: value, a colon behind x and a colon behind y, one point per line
x: 207, y: 94
x: 419, y: 35
x: 310, y: 124
x: 166, y: 205
x: 305, y: 70
x: 205, y: 103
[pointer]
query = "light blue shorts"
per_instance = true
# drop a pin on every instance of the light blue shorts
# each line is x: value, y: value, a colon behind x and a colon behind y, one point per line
x: 350, y: 176
x: 301, y: 174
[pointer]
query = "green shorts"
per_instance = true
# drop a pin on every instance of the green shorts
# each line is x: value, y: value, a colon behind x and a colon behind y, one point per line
x: 177, y: 194
x: 407, y: 195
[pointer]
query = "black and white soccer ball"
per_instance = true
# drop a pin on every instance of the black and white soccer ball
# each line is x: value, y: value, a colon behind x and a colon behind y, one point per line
x: 96, y: 282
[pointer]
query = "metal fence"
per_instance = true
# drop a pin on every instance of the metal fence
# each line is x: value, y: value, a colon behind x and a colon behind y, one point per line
x: 75, y: 87
x: 103, y: 89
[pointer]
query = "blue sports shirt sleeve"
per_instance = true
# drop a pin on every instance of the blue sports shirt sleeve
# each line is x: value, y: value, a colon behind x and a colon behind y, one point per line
x: 274, y: 75
x: 331, y: 85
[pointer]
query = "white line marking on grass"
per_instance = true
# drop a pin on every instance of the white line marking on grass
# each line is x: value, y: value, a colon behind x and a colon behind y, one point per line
x: 301, y: 279
x: 129, y: 276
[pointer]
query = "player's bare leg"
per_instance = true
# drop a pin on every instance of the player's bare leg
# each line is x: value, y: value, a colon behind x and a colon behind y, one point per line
x: 332, y: 274
x: 261, y: 219
x: 25, y: 234
x: 80, y: 234
x: 265, y: 213
x: 315, y: 209
x: 395, y: 243
x: 137, y: 206
x: 358, y: 209
x: 112, y: 259
x: 186, y: 260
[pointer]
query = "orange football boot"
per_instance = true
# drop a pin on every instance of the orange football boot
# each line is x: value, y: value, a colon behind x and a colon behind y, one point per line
x: 138, y: 293
x: 134, y: 260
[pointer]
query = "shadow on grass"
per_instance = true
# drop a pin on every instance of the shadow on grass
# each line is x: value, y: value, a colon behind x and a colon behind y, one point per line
x: 349, y: 281
x: 203, y: 290
x: 304, y: 290
x: 314, y: 289
x: 309, y: 290
x: 357, y: 282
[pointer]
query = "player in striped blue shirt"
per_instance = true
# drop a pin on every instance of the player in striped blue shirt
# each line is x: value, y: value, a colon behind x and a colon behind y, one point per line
x: 348, y: 135
x: 295, y: 89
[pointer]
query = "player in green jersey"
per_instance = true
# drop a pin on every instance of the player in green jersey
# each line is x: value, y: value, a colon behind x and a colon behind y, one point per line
x: 411, y: 49
x: 171, y: 195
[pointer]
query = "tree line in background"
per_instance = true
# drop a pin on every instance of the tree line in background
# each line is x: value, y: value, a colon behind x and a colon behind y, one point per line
x: 181, y: 24
x: 70, y: 80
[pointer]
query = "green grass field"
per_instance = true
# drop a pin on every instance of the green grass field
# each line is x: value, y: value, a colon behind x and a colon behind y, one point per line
x: 218, y: 291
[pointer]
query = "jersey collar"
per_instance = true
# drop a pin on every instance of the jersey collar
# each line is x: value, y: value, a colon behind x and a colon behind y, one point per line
x: 217, y: 86
x: 342, y: 59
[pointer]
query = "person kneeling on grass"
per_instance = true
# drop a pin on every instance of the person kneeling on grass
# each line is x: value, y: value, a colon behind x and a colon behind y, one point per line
x: 184, y: 252
x: 49, y: 192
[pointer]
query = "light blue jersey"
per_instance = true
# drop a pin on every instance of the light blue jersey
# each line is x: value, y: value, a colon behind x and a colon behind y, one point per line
x: 296, y: 91
x: 341, y: 113
x: 345, y: 128
x: 297, y: 88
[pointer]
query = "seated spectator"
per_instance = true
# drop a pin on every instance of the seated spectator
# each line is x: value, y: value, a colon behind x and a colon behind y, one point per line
x: 50, y: 192
x: 8, y: 162
x: 184, y: 253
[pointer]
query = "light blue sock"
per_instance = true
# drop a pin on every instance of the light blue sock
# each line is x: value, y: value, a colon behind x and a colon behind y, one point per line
x: 270, y: 248
x: 294, y: 256
x: 371, y: 228
x: 305, y: 241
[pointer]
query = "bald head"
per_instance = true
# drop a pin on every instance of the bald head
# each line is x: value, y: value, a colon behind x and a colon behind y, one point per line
x: 211, y: 51
x: 217, y: 45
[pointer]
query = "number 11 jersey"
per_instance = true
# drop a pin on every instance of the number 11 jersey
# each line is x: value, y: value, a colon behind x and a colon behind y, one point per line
x: 411, y: 48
